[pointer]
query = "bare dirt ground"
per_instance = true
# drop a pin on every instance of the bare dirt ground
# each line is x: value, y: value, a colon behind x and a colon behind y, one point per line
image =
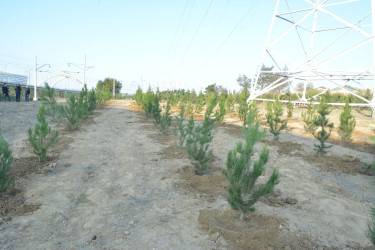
x: 118, y: 183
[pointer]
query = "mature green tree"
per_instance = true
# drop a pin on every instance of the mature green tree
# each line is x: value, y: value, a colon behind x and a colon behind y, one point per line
x: 309, y: 87
x: 108, y: 83
x: 266, y: 79
x: 244, y: 82
x: 217, y: 89
x: 212, y: 88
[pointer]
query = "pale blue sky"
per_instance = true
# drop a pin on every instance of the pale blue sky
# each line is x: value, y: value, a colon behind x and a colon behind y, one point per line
x: 169, y: 43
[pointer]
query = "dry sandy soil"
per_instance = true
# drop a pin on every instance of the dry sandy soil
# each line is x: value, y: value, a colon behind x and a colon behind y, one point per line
x: 118, y: 183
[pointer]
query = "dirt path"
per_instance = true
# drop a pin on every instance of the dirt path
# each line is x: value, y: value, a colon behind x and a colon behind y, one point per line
x: 121, y: 184
x: 113, y: 191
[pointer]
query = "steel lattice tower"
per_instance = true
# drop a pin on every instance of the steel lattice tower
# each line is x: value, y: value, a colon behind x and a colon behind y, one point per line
x: 325, y: 42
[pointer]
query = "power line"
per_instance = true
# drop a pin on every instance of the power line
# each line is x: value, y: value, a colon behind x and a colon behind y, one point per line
x: 238, y: 24
x: 196, y: 32
x: 217, y: 25
x: 183, y: 28
x: 175, y: 33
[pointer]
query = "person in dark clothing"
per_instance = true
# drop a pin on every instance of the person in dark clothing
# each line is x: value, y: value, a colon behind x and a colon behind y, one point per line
x: 18, y: 92
x: 5, y: 91
x: 27, y: 93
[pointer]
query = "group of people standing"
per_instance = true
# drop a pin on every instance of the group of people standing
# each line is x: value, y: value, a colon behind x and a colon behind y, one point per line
x: 18, y: 90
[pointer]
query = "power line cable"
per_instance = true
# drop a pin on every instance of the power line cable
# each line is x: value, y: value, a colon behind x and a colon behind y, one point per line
x: 238, y: 24
x: 183, y: 28
x: 197, y: 30
x: 216, y: 26
x: 175, y: 33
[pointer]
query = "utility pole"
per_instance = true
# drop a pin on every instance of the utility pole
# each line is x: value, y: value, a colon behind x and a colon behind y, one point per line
x: 84, y: 72
x: 36, y: 78
x: 36, y: 82
x: 373, y: 57
x: 114, y: 89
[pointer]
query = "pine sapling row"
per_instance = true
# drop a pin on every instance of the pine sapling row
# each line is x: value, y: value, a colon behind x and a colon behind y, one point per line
x: 6, y: 161
x: 274, y: 114
x: 309, y: 117
x: 201, y: 135
x: 322, y: 121
x: 347, y: 123
x: 166, y: 120
x: 42, y: 137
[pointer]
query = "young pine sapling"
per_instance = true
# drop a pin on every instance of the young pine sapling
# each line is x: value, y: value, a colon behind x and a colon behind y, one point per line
x: 156, y: 110
x: 222, y: 108
x: 198, y: 142
x: 290, y: 107
x: 42, y: 137
x: 322, y: 121
x: 53, y: 110
x: 309, y: 117
x: 229, y: 104
x: 179, y: 130
x: 199, y: 103
x: 190, y: 106
x: 165, y: 121
x: 347, y: 123
x: 72, y: 113
x: 243, y: 107
x: 6, y: 161
x: 274, y: 113
x: 242, y: 171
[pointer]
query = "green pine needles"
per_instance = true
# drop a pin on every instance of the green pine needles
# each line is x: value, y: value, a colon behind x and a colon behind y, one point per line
x: 190, y: 105
x: 179, y: 130
x: 347, y: 123
x: 199, y: 103
x: 199, y: 137
x: 322, y: 121
x: 42, y: 137
x: 147, y: 103
x: 253, y: 108
x: 290, y: 107
x: 79, y: 108
x: 165, y: 121
x: 309, y: 117
x: 229, y: 103
x: 243, y: 107
x: 371, y: 228
x: 222, y: 107
x: 91, y: 101
x: 274, y: 113
x: 6, y: 161
x: 156, y: 110
x: 71, y: 113
x: 242, y: 172
x: 52, y: 109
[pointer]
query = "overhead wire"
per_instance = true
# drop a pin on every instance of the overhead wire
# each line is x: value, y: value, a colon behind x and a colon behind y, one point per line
x: 197, y: 30
x: 216, y: 26
x: 237, y: 25
x: 183, y: 28
x: 175, y: 33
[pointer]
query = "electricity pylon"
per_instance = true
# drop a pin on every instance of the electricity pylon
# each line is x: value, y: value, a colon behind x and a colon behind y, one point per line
x: 326, y: 42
